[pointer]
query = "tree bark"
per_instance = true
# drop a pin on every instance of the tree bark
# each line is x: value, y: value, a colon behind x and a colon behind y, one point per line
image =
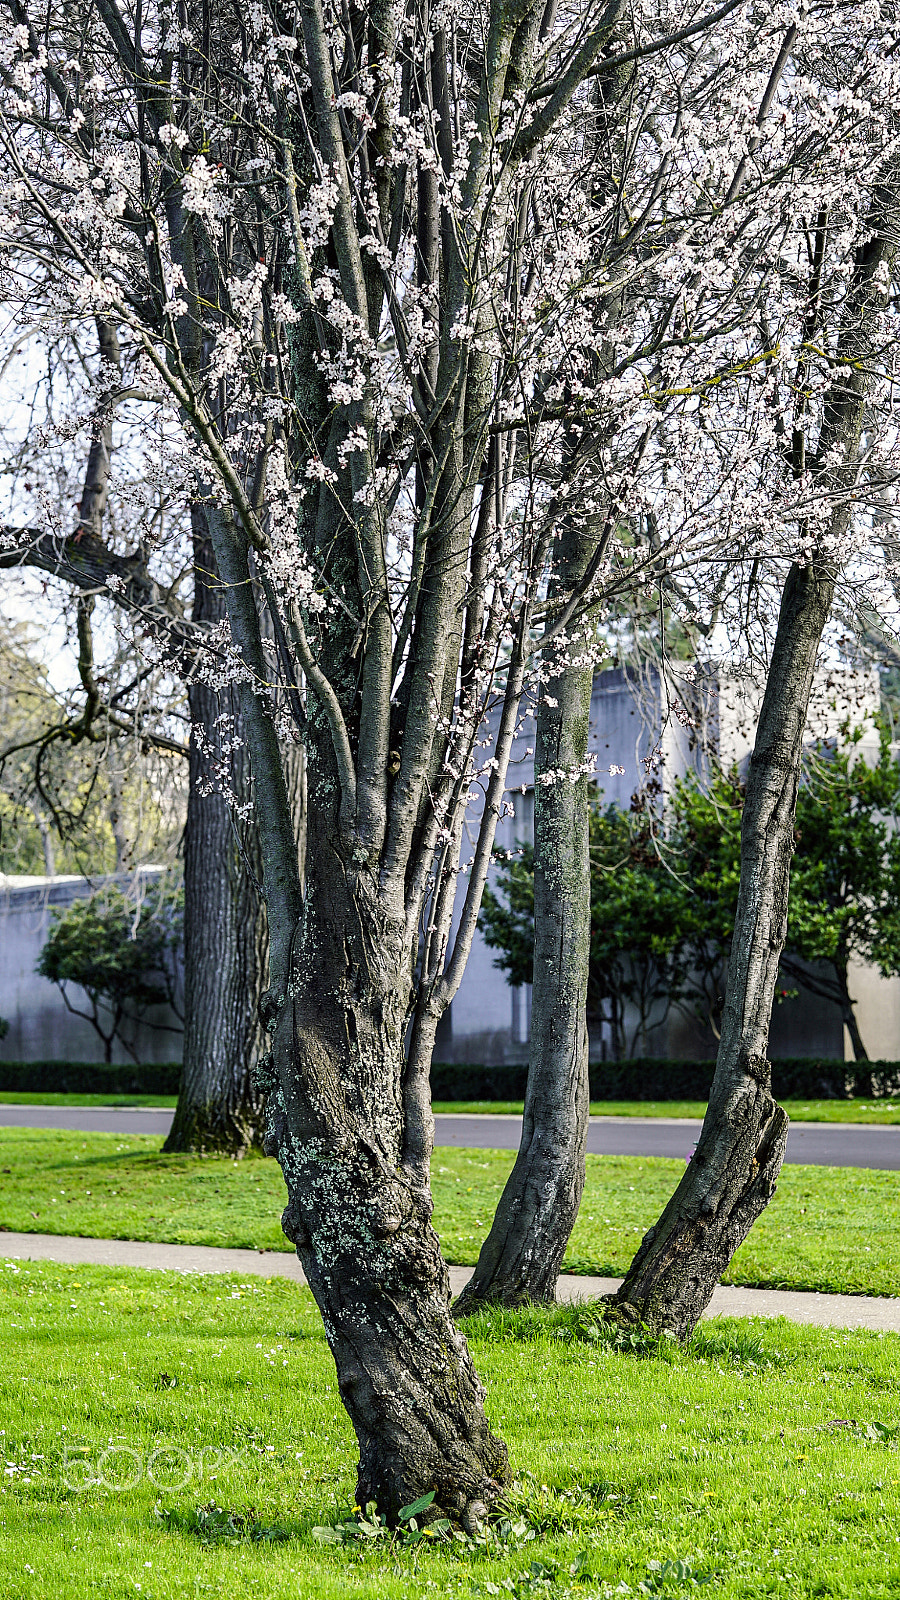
x: 359, y: 1217
x: 521, y: 1257
x: 733, y: 1172
x: 225, y: 956
x: 342, y: 1117
x: 225, y: 938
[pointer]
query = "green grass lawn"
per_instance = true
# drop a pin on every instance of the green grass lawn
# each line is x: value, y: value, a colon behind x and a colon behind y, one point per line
x: 874, y: 1111
x: 169, y: 1437
x: 123, y: 1102
x: 827, y: 1228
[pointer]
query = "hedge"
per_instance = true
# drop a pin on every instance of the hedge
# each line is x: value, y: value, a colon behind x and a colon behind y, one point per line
x: 647, y: 1078
x: 87, y: 1077
x: 644, y: 1079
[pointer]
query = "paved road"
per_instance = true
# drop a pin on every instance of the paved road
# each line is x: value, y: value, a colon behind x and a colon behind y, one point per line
x: 820, y: 1144
x: 823, y: 1144
x: 87, y: 1119
x: 826, y: 1310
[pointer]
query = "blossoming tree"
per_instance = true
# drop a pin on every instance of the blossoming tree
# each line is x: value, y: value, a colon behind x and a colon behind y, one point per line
x: 407, y: 332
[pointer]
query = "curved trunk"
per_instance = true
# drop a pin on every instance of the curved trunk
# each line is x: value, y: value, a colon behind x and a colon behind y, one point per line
x: 521, y: 1257
x: 359, y: 1218
x: 733, y: 1172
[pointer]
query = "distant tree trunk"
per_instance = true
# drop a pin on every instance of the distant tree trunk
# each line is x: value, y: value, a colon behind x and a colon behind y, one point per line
x: 732, y: 1174
x: 116, y: 820
x: 848, y: 1013
x: 225, y: 938
x: 225, y: 948
x: 522, y: 1255
x: 834, y: 990
x: 46, y: 836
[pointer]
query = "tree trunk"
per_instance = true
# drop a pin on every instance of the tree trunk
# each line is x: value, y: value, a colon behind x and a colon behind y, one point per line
x: 848, y: 1013
x: 123, y: 844
x: 733, y: 1172
x: 46, y: 837
x: 225, y: 939
x: 522, y: 1255
x: 732, y: 1175
x: 359, y: 1216
x: 224, y: 956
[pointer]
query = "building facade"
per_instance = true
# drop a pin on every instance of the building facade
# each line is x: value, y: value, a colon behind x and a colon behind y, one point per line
x: 645, y: 728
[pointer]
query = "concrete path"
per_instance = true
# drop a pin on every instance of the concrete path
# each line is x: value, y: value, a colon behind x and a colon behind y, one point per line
x: 826, y: 1310
x: 824, y: 1144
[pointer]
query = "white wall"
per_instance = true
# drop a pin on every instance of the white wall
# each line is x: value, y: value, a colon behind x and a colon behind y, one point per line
x: 40, y: 1027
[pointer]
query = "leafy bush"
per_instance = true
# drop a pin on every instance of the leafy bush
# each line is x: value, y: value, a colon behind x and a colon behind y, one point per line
x: 123, y: 954
x: 664, y: 889
x: 659, y: 1078
x: 88, y: 1077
